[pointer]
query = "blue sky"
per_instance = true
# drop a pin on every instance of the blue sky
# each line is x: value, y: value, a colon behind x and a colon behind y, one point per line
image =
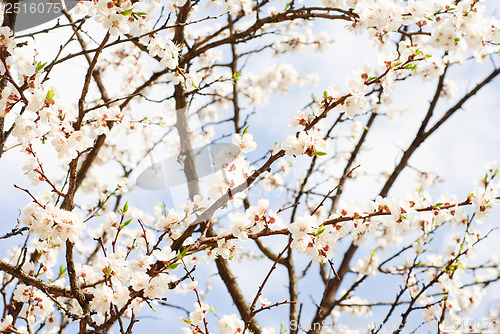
x: 458, y: 152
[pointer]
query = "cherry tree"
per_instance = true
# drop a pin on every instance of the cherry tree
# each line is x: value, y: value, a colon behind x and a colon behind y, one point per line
x: 275, y: 201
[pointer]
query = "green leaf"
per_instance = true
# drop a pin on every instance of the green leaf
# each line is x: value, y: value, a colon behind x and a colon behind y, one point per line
x: 183, y: 253
x: 107, y: 271
x: 236, y: 76
x: 319, y: 153
x: 40, y: 66
x: 245, y: 130
x: 187, y: 321
x: 62, y: 271
x: 122, y: 225
x: 128, y: 12
x: 50, y: 94
x: 411, y: 67
x: 321, y: 229
x: 125, y: 208
x: 173, y: 265
x: 141, y: 14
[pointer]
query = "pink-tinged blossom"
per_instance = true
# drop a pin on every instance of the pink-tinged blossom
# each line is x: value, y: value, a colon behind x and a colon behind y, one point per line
x: 308, y: 143
x: 139, y: 281
x: 245, y: 142
x: 303, y: 226
x: 354, y: 306
x: 196, y: 317
x: 26, y: 130
x: 174, y: 4
x: 169, y: 221
x: 230, y: 324
x: 227, y: 248
x: 52, y: 222
x: 127, y: 257
x: 156, y: 287
x: 198, y: 205
x: 141, y: 263
x: 168, y: 53
x: 22, y: 293
x: 80, y: 140
x: 300, y: 118
x: 165, y: 254
x: 483, y: 202
x: 116, y: 23
x: 270, y: 181
x: 367, y: 266
x: 103, y: 296
x: 192, y: 79
x: 432, y: 312
x: 354, y: 105
x: 6, y: 323
x: 239, y: 225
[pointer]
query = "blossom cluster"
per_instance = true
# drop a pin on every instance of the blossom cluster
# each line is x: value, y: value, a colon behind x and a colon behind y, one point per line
x: 310, y: 143
x: 51, y: 222
x: 138, y: 258
x: 255, y: 219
